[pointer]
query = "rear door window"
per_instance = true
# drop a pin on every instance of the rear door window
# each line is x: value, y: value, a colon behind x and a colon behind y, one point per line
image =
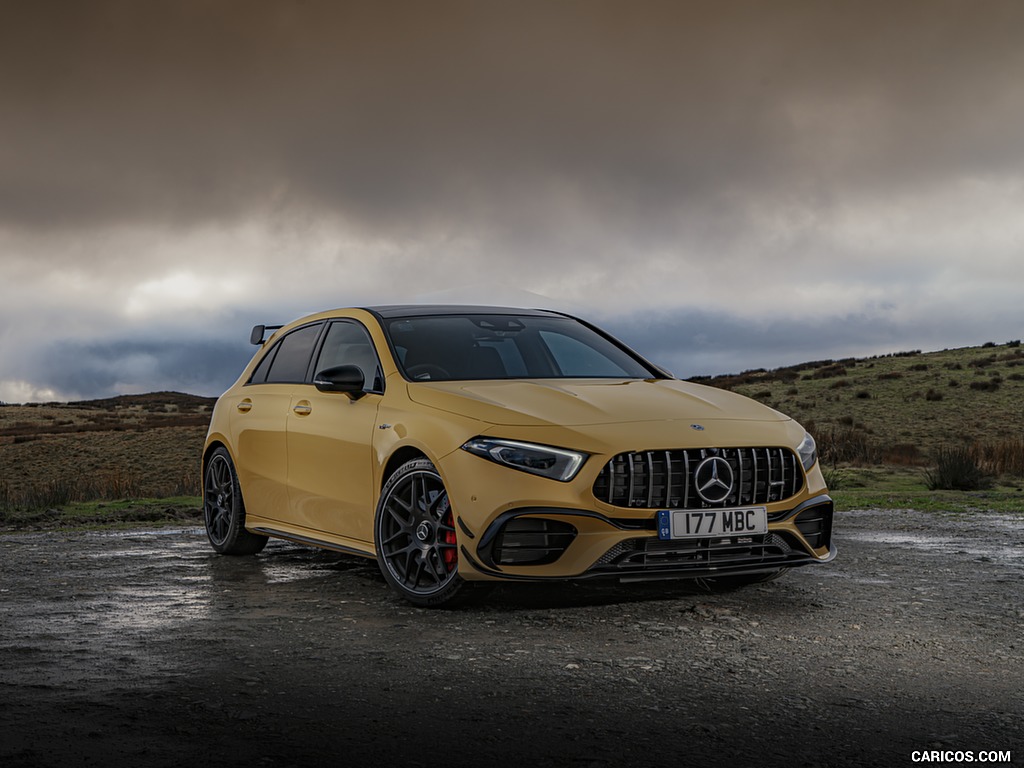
x: 291, y: 358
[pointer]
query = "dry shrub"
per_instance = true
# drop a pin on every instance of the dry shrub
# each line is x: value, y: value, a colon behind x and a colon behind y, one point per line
x: 101, y: 486
x: 957, y: 469
x: 836, y: 446
x: 906, y: 454
x: 829, y: 372
x: 1005, y: 457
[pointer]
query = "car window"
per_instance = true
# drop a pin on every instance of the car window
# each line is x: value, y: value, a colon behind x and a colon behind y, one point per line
x: 259, y: 376
x: 348, y: 343
x: 291, y: 358
x: 576, y: 359
x: 466, y: 347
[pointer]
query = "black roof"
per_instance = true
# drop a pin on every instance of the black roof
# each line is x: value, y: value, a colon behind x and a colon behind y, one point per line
x: 428, y: 310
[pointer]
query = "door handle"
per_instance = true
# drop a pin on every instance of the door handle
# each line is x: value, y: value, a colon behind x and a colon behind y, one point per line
x: 302, y: 409
x: 245, y: 406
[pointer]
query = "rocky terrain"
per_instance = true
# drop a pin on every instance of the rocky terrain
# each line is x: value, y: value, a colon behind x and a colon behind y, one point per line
x: 146, y: 648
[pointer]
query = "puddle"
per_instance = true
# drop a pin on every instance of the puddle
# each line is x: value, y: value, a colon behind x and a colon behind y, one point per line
x: 974, y: 548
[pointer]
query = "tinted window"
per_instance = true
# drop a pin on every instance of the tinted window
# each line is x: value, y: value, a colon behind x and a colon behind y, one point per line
x: 457, y: 347
x: 575, y: 358
x: 291, y: 360
x: 259, y: 376
x: 348, y: 343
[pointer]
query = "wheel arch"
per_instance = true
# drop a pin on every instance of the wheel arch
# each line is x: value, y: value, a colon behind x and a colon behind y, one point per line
x: 404, y: 454
x: 212, y: 445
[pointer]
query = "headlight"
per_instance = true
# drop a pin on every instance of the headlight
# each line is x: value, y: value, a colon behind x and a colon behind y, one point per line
x: 807, y: 451
x: 543, y: 460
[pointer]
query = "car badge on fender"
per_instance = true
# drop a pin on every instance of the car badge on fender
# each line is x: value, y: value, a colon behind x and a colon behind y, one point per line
x: 697, y: 427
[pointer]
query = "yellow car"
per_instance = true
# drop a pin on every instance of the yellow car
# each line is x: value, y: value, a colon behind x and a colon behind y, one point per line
x: 465, y: 445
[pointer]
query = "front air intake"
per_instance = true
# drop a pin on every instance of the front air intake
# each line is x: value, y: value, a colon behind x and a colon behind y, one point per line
x: 532, y: 541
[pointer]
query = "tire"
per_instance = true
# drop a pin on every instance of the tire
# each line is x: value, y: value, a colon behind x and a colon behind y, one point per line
x: 728, y: 583
x: 415, y: 539
x: 224, y: 510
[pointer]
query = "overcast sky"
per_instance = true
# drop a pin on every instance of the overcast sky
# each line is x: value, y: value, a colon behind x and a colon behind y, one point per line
x: 725, y: 185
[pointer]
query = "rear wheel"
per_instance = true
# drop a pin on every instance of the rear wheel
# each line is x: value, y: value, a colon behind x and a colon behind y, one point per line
x: 224, y: 510
x: 414, y: 535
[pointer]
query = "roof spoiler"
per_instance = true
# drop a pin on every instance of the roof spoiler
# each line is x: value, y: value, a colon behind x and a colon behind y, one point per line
x: 256, y: 337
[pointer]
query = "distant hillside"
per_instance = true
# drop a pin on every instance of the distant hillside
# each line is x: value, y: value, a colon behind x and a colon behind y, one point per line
x: 152, y: 401
x: 899, y: 408
x: 895, y: 409
x: 119, y: 447
x: 125, y: 412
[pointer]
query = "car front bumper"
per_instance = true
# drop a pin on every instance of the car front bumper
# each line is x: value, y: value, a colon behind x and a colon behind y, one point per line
x: 515, y: 526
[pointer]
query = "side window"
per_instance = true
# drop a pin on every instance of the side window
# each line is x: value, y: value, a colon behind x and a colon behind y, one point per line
x: 348, y: 343
x: 259, y: 376
x: 574, y: 358
x: 291, y: 360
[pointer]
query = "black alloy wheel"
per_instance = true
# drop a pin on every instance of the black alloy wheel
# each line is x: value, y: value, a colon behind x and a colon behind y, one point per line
x: 415, y: 538
x: 224, y: 510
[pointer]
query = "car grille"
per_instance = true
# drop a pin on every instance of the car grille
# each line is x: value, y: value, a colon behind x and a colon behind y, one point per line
x: 669, y: 479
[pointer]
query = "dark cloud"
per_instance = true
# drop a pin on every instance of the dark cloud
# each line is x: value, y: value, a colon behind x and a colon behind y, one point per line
x: 140, y: 365
x: 691, y: 343
x: 809, y: 179
x: 497, y: 115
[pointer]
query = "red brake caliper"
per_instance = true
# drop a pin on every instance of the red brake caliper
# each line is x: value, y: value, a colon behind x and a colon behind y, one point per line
x: 451, y: 556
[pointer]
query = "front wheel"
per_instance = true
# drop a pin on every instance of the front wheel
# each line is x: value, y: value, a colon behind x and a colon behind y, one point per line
x: 224, y: 510
x: 414, y: 535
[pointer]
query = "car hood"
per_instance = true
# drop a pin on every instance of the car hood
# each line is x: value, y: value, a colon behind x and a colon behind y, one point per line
x: 581, y: 402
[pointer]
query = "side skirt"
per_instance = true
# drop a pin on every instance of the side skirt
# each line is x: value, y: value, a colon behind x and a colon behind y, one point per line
x: 298, y: 538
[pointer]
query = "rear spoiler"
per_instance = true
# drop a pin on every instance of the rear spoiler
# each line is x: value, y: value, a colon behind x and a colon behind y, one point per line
x: 256, y: 337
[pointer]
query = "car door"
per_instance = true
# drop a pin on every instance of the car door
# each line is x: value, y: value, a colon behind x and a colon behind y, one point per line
x: 330, y: 454
x: 259, y: 422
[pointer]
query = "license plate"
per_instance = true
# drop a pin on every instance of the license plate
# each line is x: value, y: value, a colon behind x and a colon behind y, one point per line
x: 745, y: 521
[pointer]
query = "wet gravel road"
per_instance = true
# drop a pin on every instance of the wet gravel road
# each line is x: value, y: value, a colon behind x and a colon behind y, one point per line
x: 146, y: 649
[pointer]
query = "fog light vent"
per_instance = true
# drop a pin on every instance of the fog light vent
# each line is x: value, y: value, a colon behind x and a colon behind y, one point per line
x: 816, y: 525
x: 532, y: 541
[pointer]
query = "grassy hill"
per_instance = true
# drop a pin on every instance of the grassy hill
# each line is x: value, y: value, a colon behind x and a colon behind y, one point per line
x: 124, y: 447
x: 904, y: 408
x: 886, y: 417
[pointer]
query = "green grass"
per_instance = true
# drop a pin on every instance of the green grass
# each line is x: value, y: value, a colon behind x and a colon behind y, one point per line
x: 107, y: 515
x: 905, y: 488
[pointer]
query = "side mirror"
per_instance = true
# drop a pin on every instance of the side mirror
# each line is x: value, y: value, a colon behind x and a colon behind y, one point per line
x: 341, y: 378
x: 258, y: 331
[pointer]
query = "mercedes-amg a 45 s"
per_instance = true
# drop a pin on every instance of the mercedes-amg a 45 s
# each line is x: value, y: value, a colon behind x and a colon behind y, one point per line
x: 465, y: 445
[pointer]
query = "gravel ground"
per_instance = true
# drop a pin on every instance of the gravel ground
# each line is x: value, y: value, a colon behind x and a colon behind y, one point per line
x: 147, y: 649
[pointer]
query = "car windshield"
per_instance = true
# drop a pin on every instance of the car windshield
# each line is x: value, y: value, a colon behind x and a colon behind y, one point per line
x: 461, y: 347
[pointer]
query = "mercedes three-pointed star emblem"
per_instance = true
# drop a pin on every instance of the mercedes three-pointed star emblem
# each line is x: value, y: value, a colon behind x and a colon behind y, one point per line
x: 714, y: 479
